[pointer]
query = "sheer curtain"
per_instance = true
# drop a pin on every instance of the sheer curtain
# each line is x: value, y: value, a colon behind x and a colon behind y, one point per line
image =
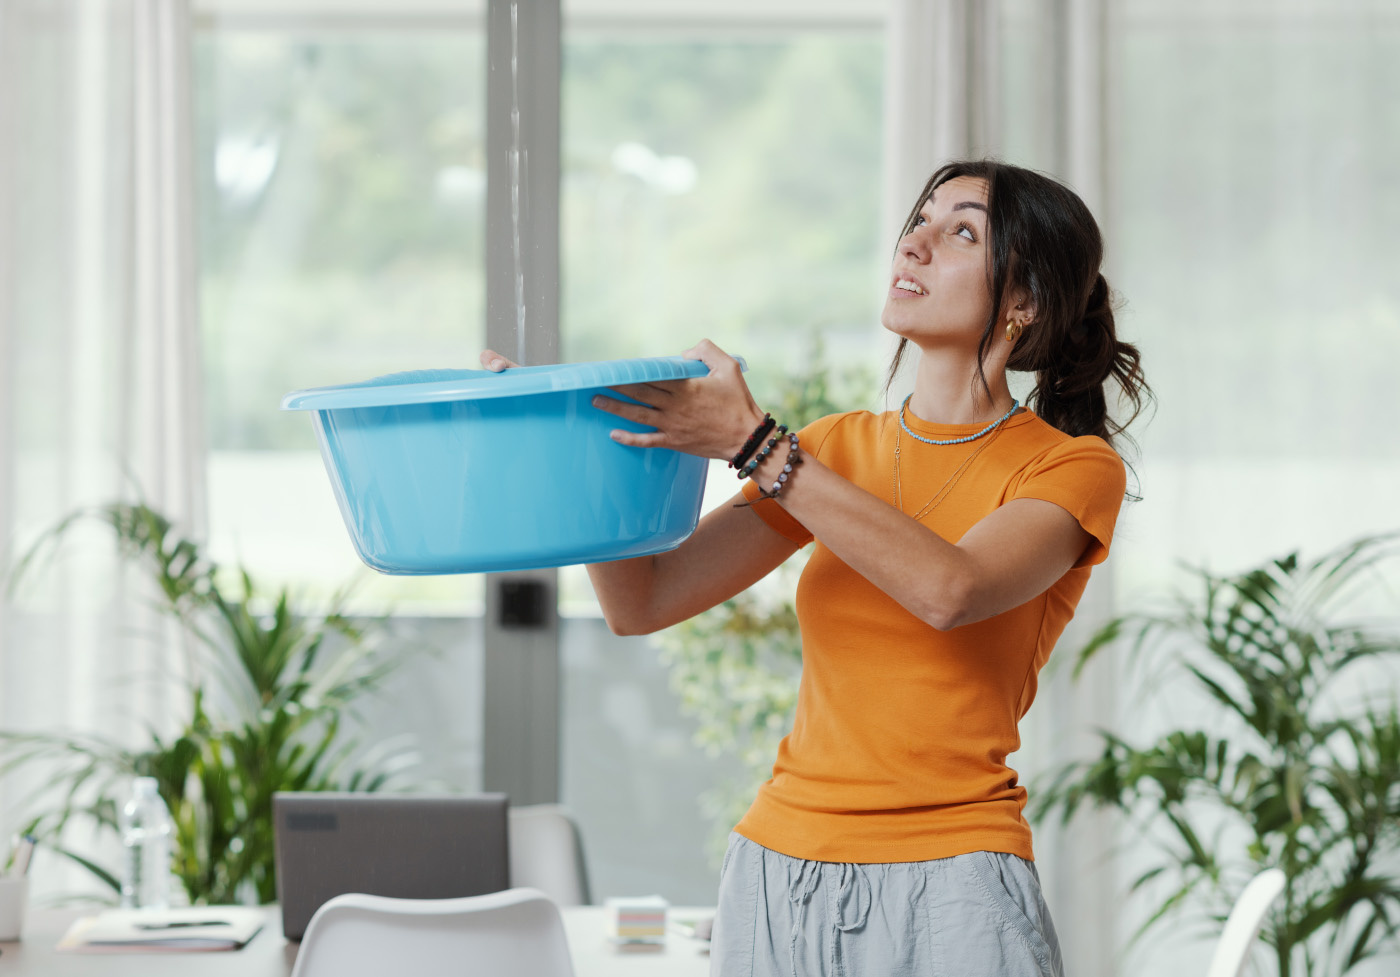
x: 1254, y: 195
x: 101, y: 397
x: 951, y: 93
x: 1241, y: 159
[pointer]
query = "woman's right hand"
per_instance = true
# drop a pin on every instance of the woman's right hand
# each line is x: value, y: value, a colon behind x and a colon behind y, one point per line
x: 495, y: 362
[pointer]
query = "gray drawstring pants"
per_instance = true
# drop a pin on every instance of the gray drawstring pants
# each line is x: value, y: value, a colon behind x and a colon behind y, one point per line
x: 974, y: 915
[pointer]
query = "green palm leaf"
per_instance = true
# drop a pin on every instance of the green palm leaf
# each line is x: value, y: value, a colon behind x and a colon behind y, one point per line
x: 1316, y: 789
x: 286, y: 682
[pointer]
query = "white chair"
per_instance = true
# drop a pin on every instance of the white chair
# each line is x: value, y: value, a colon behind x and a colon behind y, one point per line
x: 546, y: 853
x: 1244, y: 922
x: 515, y: 933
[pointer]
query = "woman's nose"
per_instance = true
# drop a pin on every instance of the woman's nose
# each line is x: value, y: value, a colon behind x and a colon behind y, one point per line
x: 913, y: 246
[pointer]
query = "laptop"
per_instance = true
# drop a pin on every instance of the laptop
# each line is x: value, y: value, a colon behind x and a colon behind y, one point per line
x: 407, y: 846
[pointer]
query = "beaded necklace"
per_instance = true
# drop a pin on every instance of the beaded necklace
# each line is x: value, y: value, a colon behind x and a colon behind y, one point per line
x: 971, y: 437
x: 898, y: 494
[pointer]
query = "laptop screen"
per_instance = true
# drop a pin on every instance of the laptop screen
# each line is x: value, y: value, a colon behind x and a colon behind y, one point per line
x: 406, y: 846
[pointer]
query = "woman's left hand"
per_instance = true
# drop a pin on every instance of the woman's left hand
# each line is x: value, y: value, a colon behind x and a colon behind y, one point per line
x: 711, y: 416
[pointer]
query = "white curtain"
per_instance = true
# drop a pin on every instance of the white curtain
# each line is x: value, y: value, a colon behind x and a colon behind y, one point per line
x: 944, y: 100
x: 1241, y: 159
x: 941, y: 93
x: 1252, y: 169
x: 101, y: 393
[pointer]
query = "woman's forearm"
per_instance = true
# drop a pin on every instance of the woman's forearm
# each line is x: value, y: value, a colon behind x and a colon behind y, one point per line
x: 920, y: 570
x: 1010, y: 556
x: 730, y: 550
x: 623, y: 589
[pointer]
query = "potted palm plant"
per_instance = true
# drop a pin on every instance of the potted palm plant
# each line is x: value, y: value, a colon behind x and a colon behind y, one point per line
x: 1287, y: 772
x: 271, y: 709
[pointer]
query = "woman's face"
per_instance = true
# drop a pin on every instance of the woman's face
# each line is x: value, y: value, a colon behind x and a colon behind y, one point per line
x: 938, y: 295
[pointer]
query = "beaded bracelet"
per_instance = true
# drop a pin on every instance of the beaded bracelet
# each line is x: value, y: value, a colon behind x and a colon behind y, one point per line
x: 794, y: 458
x: 753, y: 441
x: 758, y: 459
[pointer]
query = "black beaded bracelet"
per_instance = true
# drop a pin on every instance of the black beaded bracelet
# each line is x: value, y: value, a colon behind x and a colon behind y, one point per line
x: 758, y: 459
x: 757, y: 436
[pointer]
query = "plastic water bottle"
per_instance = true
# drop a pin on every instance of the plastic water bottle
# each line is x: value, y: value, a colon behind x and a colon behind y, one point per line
x: 146, y: 828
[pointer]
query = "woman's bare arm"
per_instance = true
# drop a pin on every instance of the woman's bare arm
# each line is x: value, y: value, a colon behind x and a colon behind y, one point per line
x: 1012, y: 555
x: 730, y: 551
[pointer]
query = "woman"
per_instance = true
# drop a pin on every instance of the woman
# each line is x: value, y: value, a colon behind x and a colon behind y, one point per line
x: 954, y: 537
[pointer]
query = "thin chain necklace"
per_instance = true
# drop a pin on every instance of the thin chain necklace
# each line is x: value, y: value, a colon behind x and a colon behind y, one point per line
x: 942, y: 493
x: 897, y: 494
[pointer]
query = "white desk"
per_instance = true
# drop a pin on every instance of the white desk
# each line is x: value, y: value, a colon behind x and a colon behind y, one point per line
x: 594, y: 957
x: 269, y: 955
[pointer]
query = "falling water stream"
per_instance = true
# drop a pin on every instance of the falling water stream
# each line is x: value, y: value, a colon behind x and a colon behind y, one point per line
x: 515, y: 162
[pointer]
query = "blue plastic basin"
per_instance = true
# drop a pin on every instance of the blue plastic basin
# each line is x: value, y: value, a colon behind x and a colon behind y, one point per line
x: 466, y: 471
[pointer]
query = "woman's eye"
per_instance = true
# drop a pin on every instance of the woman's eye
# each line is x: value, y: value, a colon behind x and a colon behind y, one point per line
x: 966, y: 231
x: 920, y: 221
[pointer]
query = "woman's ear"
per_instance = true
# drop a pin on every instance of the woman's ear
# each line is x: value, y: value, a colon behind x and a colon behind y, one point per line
x: 1018, y: 305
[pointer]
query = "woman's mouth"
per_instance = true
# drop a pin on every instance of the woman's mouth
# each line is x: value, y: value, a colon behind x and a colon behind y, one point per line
x: 910, y: 286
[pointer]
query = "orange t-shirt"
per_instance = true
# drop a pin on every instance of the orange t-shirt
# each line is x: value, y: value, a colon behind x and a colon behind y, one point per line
x: 899, y: 745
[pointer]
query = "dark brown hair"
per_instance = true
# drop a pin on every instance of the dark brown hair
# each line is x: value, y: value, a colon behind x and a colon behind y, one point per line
x: 1044, y: 240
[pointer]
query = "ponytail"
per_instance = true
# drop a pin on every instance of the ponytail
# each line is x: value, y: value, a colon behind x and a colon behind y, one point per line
x: 1069, y: 389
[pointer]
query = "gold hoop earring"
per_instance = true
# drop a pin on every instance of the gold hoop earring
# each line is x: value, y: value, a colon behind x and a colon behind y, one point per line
x: 1013, y: 330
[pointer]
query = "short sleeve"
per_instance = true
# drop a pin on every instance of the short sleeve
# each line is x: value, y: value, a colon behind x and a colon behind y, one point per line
x: 811, y: 439
x: 1086, y: 478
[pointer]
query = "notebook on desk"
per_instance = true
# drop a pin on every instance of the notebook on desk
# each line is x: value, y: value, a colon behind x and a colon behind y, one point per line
x: 164, y: 930
x: 406, y: 846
